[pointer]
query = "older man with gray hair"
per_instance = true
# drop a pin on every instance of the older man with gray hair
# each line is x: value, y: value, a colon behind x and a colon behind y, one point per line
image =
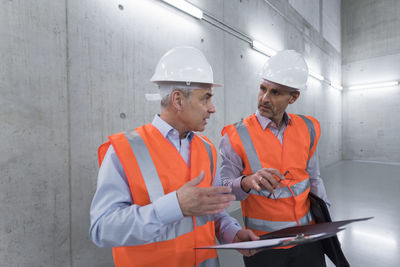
x: 155, y: 201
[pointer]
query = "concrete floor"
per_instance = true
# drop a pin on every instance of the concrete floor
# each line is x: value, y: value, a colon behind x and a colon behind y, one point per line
x: 359, y: 189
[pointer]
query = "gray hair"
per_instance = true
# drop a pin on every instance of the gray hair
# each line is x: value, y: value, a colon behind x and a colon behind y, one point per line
x: 166, y: 88
x: 165, y: 100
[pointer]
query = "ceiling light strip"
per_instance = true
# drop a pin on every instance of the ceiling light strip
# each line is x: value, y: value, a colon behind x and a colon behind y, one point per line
x: 373, y: 85
x: 316, y: 75
x: 336, y: 85
x: 186, y: 7
x: 254, y: 44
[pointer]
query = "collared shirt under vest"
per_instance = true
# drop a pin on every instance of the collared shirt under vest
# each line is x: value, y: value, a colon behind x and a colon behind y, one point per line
x: 263, y: 211
x: 154, y: 168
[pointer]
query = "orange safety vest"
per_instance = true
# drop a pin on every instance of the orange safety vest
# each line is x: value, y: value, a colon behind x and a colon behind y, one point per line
x: 153, y: 168
x: 264, y: 212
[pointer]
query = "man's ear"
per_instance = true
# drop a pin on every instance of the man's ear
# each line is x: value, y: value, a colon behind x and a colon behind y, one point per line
x: 294, y: 96
x: 176, y: 99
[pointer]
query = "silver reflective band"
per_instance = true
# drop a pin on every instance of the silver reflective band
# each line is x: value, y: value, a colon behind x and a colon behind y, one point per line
x: 284, y: 192
x: 210, y: 155
x: 156, y: 190
x: 250, y: 150
x: 146, y: 165
x: 270, y: 226
x: 248, y: 145
x: 182, y: 227
x: 300, y: 187
x: 202, y: 220
x: 176, y: 229
x: 311, y: 129
x: 213, y: 262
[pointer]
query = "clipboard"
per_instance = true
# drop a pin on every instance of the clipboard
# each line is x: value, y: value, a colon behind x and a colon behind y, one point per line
x: 291, y: 236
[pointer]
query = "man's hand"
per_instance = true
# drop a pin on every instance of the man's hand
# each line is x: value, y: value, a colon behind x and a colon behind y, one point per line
x: 246, y: 235
x: 264, y: 178
x: 195, y: 201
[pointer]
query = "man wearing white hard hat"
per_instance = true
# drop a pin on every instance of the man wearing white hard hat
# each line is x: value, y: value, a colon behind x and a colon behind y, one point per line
x: 155, y: 201
x: 271, y: 163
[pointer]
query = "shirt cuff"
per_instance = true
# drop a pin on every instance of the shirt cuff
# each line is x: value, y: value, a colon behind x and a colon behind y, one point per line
x: 230, y: 233
x: 167, y: 208
x: 237, y: 189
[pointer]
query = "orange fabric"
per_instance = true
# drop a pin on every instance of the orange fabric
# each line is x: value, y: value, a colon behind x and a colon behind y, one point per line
x: 214, y: 154
x: 293, y: 155
x: 173, y: 173
x: 102, y: 150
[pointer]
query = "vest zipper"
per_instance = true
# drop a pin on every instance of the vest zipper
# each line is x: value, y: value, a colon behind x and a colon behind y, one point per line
x: 195, y: 241
x: 282, y: 156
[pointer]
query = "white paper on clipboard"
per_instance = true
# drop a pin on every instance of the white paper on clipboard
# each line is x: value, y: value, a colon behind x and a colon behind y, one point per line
x: 275, y: 242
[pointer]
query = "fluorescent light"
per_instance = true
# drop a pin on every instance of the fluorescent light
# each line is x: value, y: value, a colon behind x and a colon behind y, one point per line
x: 186, y: 7
x: 316, y: 75
x: 336, y: 85
x: 374, y: 85
x: 256, y: 45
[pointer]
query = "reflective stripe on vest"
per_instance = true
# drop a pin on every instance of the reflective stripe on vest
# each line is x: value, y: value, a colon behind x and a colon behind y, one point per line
x: 213, y: 262
x: 146, y: 165
x: 203, y: 219
x: 248, y: 145
x: 176, y: 229
x: 182, y: 227
x: 311, y: 129
x: 255, y: 165
x: 284, y: 192
x: 210, y: 155
x: 270, y: 226
x: 156, y: 190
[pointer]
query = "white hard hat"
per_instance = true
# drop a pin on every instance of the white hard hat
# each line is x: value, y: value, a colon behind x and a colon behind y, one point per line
x: 288, y: 68
x: 184, y: 64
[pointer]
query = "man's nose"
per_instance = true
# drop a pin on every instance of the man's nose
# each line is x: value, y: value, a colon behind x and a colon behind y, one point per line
x: 211, y: 108
x: 265, y: 97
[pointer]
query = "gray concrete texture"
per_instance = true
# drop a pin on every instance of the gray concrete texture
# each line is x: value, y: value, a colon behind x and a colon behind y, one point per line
x: 371, y: 53
x: 34, y: 183
x: 370, y: 28
x: 74, y: 72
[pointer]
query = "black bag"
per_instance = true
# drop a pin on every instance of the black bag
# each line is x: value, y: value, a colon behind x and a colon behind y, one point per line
x: 331, y: 245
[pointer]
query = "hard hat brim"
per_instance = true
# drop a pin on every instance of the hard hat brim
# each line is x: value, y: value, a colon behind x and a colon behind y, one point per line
x: 284, y: 85
x: 194, y: 84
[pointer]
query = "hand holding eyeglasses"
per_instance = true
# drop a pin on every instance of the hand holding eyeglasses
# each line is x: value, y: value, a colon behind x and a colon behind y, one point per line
x: 267, y: 178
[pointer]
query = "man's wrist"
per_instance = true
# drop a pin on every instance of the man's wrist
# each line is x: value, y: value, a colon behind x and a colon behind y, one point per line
x: 241, y: 184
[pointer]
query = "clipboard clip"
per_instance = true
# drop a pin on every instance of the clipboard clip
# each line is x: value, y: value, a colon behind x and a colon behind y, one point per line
x: 300, y: 238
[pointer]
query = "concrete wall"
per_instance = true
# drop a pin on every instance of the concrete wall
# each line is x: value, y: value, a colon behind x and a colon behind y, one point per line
x: 73, y: 72
x: 371, y: 53
x: 34, y: 163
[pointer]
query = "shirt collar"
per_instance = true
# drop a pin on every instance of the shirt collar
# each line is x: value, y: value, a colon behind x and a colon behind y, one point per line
x: 264, y: 121
x: 166, y: 129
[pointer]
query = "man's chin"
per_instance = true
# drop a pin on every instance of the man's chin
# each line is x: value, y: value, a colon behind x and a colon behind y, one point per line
x: 200, y: 128
x: 265, y: 114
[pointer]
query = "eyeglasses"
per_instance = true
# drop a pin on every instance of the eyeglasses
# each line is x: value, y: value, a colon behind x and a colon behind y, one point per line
x: 288, y: 178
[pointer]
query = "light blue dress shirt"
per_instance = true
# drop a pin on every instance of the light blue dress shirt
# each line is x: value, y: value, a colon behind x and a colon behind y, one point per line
x: 232, y: 165
x: 115, y: 219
